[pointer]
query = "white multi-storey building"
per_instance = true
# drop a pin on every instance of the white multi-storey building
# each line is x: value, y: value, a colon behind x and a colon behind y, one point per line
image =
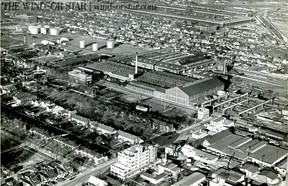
x: 133, y: 160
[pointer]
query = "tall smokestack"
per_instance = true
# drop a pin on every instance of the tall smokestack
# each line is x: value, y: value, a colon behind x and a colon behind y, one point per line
x: 136, y: 63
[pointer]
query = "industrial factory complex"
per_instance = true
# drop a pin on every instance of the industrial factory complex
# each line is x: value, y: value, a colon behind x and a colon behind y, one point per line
x: 160, y: 82
x: 191, y: 93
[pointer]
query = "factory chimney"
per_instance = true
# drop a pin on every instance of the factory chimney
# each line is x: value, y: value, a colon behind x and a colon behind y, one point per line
x: 136, y: 63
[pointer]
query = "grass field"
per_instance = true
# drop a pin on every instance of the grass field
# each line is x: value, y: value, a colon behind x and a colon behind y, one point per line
x: 166, y: 139
x: 15, y: 152
x: 131, y: 98
x: 7, y: 41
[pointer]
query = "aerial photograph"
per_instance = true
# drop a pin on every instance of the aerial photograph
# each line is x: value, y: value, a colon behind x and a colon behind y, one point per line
x: 144, y: 93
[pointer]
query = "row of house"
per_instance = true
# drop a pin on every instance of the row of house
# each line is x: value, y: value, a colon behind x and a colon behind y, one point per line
x: 107, y: 130
x: 73, y: 116
x: 95, y: 157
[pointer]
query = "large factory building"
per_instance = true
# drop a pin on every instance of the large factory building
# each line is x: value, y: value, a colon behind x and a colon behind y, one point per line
x: 187, y: 94
x: 166, y: 86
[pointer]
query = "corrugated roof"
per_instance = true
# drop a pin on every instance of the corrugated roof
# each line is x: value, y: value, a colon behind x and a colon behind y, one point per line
x: 203, y: 86
x: 147, y: 86
x: 246, y: 146
x: 269, y: 173
x: 270, y: 154
x: 229, y: 175
x: 191, y: 59
x: 240, y: 142
x: 250, y: 167
x: 257, y: 146
x: 187, y: 181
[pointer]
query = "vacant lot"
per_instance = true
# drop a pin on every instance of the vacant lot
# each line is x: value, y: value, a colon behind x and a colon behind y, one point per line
x: 15, y: 153
x: 21, y: 156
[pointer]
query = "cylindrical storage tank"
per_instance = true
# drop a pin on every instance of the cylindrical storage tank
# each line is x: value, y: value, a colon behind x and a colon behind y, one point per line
x: 95, y: 47
x: 82, y: 44
x: 34, y: 29
x: 110, y: 44
x: 43, y: 30
x: 54, y: 31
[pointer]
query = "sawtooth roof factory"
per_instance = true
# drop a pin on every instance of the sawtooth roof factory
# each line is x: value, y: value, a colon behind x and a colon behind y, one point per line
x: 174, y: 62
x: 245, y: 148
x: 166, y: 86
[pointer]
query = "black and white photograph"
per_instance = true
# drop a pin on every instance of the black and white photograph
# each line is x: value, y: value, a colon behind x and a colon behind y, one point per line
x: 144, y: 93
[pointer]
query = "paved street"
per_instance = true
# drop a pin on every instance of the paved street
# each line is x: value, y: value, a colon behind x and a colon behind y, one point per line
x: 84, y: 176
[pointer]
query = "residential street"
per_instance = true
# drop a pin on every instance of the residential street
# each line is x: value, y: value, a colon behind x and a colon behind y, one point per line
x: 84, y: 176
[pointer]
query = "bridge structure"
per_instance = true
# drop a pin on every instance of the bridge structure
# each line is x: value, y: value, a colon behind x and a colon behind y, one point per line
x: 231, y: 103
x: 211, y: 101
x: 254, y: 108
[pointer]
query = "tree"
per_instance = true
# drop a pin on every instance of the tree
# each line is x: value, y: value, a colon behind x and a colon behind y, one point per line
x: 98, y: 140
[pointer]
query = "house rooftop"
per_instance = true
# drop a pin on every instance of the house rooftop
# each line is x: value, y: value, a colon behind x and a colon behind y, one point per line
x: 105, y: 127
x: 154, y: 176
x: 193, y: 178
x: 80, y: 118
x: 129, y: 136
x: 268, y: 173
x: 251, y: 167
x: 229, y: 175
x: 95, y: 181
